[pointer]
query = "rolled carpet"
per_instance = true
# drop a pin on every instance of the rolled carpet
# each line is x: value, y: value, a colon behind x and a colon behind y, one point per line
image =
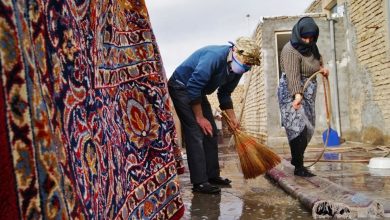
x: 325, y: 198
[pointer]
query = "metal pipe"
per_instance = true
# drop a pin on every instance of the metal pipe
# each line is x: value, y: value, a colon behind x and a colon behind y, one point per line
x: 335, y: 77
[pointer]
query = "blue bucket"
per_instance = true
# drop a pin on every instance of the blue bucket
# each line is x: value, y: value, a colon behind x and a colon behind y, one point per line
x: 333, y: 140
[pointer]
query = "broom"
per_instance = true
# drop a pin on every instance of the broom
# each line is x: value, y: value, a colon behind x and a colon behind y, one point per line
x: 255, y: 158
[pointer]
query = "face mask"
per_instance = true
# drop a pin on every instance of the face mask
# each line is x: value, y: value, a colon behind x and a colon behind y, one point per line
x: 238, y: 67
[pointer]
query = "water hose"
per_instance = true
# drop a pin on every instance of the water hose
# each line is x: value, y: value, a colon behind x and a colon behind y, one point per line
x: 326, y: 85
x: 328, y: 117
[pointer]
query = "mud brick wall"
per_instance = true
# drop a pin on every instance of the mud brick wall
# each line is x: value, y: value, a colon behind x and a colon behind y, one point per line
x: 254, y: 113
x: 370, y: 71
x: 315, y: 7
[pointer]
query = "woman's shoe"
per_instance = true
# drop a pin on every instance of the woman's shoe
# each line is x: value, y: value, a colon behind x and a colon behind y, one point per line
x: 303, y: 171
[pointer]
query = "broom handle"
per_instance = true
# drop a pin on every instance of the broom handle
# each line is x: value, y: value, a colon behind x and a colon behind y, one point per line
x: 229, y: 121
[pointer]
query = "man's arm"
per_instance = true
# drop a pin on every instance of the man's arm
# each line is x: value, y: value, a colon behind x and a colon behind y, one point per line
x: 233, y: 119
x: 225, y: 100
x: 204, y: 124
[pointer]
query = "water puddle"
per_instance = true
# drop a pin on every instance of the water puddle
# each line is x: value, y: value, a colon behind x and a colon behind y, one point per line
x: 246, y: 199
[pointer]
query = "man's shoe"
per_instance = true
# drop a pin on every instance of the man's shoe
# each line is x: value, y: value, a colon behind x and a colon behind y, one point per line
x: 303, y: 172
x: 220, y: 181
x: 206, y: 188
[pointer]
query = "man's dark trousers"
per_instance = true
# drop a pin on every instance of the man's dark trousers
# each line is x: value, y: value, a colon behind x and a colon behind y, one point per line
x: 202, y: 150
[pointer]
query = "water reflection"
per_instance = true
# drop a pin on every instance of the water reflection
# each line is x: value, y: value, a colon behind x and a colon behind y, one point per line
x: 332, y: 156
x: 247, y: 199
x: 231, y: 207
x: 246, y: 202
x: 204, y: 206
x: 271, y: 204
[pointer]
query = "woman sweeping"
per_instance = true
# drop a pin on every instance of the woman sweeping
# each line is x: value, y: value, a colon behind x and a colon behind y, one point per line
x: 300, y: 59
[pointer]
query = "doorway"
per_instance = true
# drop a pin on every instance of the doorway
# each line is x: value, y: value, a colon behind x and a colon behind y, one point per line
x: 281, y: 38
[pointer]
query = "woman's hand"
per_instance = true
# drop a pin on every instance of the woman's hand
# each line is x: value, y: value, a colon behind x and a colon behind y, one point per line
x: 296, y: 104
x: 324, y: 71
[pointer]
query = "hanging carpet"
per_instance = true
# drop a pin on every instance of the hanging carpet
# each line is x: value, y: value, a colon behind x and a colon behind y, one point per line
x: 86, y: 127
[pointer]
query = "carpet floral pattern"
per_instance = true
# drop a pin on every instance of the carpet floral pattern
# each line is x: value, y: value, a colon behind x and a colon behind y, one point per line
x: 86, y: 126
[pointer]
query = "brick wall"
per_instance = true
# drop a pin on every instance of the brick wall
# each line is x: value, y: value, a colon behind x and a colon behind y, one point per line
x: 370, y: 115
x: 254, y: 115
x: 315, y: 7
x: 368, y: 82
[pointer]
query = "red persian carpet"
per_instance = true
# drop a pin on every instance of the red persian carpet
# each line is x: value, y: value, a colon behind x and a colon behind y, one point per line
x: 86, y: 129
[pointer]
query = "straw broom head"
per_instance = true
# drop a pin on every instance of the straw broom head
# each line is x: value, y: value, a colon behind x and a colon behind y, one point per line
x: 255, y: 158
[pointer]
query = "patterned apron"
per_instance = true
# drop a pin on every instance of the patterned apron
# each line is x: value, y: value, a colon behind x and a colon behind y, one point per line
x: 294, y: 121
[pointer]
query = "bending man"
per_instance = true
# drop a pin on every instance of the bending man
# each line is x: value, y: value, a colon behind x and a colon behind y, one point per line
x: 206, y: 70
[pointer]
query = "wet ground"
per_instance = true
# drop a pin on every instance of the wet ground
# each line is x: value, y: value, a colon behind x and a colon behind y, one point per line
x: 261, y: 198
x: 347, y: 171
x: 246, y: 199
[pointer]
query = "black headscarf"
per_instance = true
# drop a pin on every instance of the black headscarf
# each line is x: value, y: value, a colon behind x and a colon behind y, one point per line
x: 305, y: 27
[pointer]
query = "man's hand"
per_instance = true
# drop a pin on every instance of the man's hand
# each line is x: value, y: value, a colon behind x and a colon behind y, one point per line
x: 233, y: 119
x: 205, y: 125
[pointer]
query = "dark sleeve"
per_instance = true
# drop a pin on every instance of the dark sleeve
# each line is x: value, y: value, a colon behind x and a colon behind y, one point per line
x: 225, y: 91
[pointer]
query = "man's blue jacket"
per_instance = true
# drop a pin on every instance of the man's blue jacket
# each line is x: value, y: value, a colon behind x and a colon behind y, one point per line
x: 205, y: 71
